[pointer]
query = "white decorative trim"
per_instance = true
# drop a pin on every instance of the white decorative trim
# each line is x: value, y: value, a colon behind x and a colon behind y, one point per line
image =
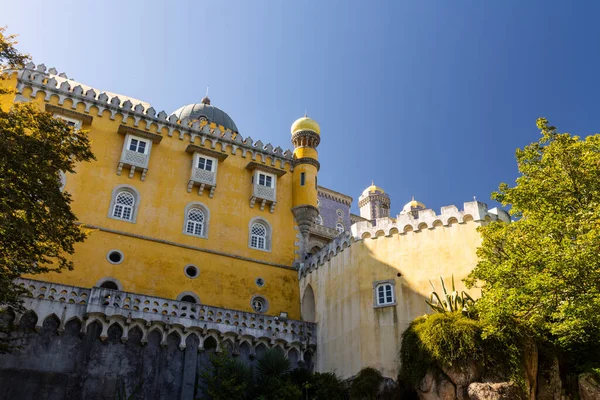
x: 194, y: 295
x: 111, y: 279
x: 376, y: 285
x: 186, y: 273
x: 60, y: 86
x: 265, y: 302
x: 269, y: 237
x: 115, y: 251
x: 136, y: 204
x: 205, y: 224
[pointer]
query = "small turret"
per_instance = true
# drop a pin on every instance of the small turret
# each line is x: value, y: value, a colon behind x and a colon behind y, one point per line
x: 374, y: 203
x: 306, y: 136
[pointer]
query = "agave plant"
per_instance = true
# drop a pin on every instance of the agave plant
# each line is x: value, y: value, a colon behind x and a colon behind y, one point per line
x: 449, y: 302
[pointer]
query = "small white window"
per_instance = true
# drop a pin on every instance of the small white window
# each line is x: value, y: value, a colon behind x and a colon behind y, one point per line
x: 265, y: 180
x: 384, y: 294
x: 138, y: 145
x: 72, y: 122
x: 319, y: 220
x: 205, y: 163
x: 195, y: 222
x: 340, y: 228
x: 258, y: 236
x: 124, y: 203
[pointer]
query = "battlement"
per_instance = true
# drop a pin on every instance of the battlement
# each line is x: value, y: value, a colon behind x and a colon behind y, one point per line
x: 51, y: 83
x: 474, y: 211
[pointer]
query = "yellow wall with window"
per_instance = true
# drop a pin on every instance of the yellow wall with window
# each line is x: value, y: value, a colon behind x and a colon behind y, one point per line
x: 155, y: 247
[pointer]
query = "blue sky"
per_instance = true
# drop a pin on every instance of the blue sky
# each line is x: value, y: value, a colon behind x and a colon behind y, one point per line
x: 427, y: 98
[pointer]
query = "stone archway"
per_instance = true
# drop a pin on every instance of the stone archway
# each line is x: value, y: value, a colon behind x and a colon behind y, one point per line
x: 308, y: 305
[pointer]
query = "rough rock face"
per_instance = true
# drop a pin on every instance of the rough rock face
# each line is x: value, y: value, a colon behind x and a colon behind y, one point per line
x: 436, y: 389
x: 462, y: 377
x: 495, y: 391
x: 589, y: 388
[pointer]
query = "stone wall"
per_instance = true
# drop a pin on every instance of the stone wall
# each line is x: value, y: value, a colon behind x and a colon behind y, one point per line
x: 78, y: 343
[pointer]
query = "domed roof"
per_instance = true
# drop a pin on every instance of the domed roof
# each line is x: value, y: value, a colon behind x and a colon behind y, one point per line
x: 205, y: 110
x: 412, y: 205
x: 305, y: 124
x: 373, y: 189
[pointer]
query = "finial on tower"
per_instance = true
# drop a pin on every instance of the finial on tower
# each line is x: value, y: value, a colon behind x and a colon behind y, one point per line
x: 206, y: 100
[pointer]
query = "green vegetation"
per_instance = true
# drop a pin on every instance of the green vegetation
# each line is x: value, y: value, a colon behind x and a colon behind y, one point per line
x: 451, y: 340
x: 543, y: 269
x: 450, y: 302
x: 37, y: 227
x: 366, y: 384
x: 539, y: 275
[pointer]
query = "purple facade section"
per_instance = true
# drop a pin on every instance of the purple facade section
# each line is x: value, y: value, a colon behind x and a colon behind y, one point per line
x: 328, y: 210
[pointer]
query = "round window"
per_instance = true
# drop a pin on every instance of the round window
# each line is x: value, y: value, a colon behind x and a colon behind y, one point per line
x: 191, y: 271
x: 260, y: 282
x: 259, y: 304
x: 340, y: 213
x: 114, y: 257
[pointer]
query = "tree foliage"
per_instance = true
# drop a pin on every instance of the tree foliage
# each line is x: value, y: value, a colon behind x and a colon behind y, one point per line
x: 37, y: 227
x: 543, y: 270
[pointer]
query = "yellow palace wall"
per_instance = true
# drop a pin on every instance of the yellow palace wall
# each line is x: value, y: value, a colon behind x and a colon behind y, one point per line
x: 154, y: 267
x: 354, y: 334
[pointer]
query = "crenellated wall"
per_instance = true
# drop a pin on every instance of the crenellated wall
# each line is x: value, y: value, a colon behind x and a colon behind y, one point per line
x: 337, y: 284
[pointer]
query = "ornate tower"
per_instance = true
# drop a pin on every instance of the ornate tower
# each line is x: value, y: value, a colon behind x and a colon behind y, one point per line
x: 374, y: 203
x: 306, y: 138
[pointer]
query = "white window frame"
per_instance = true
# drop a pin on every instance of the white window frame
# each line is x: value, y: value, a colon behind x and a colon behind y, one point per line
x: 268, y: 234
x: 389, y: 295
x: 338, y: 226
x: 146, y: 141
x: 135, y: 207
x: 77, y: 123
x: 261, y: 298
x: 205, y: 223
x: 265, y: 174
x: 319, y: 220
x: 213, y: 167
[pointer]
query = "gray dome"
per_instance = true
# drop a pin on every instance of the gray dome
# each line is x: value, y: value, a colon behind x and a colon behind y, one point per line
x: 204, y: 109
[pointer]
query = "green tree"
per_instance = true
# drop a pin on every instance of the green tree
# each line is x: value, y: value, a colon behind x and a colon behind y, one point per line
x: 37, y: 227
x: 273, y: 381
x: 543, y: 269
x: 226, y: 378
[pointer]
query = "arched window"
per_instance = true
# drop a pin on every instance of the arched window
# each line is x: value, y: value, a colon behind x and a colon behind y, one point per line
x: 109, y: 285
x: 384, y: 294
x: 124, y: 203
x: 258, y: 236
x: 319, y: 220
x: 189, y: 299
x: 195, y: 222
x: 340, y: 228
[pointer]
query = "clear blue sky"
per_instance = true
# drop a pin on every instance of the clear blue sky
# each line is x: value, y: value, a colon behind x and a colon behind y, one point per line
x: 428, y: 98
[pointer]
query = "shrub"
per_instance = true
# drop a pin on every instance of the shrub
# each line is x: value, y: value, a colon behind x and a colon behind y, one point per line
x: 451, y: 340
x: 365, y: 384
x: 226, y: 378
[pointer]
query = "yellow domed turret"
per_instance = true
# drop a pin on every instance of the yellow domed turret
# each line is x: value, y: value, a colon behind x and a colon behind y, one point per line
x: 413, y: 205
x: 306, y: 124
x: 372, y: 189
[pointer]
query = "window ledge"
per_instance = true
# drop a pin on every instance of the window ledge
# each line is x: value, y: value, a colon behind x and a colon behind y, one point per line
x: 196, y: 236
x: 131, y: 221
x: 394, y: 304
x: 256, y: 248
